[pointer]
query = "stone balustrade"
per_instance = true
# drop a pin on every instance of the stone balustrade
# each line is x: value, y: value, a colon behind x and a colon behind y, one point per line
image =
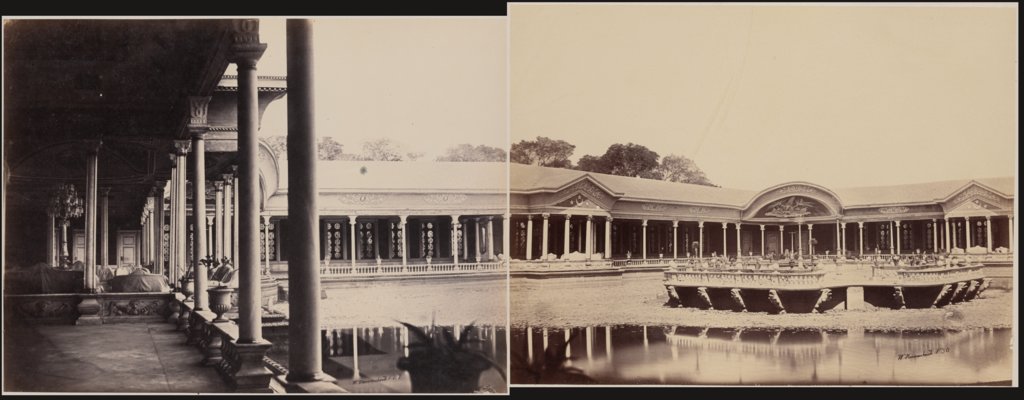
x: 243, y: 366
x: 343, y: 270
x: 749, y: 280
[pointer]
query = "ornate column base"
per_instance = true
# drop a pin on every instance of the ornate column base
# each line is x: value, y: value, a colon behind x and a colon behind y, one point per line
x: 242, y: 366
x: 89, y: 311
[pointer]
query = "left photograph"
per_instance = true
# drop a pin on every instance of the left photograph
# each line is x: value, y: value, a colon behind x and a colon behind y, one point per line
x: 256, y: 205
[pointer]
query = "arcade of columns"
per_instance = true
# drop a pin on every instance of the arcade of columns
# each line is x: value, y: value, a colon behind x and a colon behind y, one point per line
x: 659, y: 238
x: 358, y: 242
x: 238, y: 192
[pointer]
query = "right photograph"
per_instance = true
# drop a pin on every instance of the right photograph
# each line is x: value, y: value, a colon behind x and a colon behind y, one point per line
x: 762, y: 194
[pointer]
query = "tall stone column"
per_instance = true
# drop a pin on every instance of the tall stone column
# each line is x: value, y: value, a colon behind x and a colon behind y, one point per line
x: 935, y: 236
x: 105, y: 227
x: 608, y: 238
x: 590, y: 234
x: 234, y: 220
x: 725, y: 240
x: 197, y: 127
x: 988, y: 233
x: 810, y: 239
x: 700, y: 248
x: 946, y: 233
x: 211, y: 235
x: 739, y: 247
x: 675, y: 239
x: 1009, y: 231
x: 217, y: 231
x: 182, y: 147
x: 455, y: 239
x: 860, y: 237
x: 762, y: 240
x: 565, y: 244
x: 352, y: 239
x: 245, y: 52
x: 51, y: 239
x: 89, y: 307
x: 465, y: 239
x: 967, y: 233
x: 544, y: 236
x: 843, y: 247
x: 490, y: 238
x: 506, y: 222
x: 304, y: 352
x: 172, y: 217
x: 476, y: 240
x: 644, y: 241
x: 529, y: 236
x: 228, y: 225
x: 405, y: 244
x: 799, y: 242
x: 91, y: 208
x: 955, y: 234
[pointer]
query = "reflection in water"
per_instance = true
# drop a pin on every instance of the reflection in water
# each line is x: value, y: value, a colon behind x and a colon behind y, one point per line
x: 701, y: 355
x: 364, y: 359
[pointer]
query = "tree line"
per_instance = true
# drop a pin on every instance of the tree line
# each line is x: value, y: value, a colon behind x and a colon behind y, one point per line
x: 385, y: 149
x: 628, y: 159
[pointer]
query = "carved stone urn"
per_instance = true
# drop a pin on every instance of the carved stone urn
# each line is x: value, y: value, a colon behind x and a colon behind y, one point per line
x: 187, y: 288
x: 220, y: 301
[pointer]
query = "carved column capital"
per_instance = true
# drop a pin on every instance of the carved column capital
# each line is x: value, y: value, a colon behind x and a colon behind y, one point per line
x: 402, y: 219
x: 182, y: 147
x: 218, y: 186
x: 455, y: 220
x: 762, y: 227
x: 228, y: 179
x: 529, y: 217
x: 246, y: 49
x: 645, y: 222
x: 545, y: 215
x: 351, y: 219
x: 675, y: 224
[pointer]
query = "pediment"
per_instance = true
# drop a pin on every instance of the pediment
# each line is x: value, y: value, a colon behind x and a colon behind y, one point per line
x: 974, y: 196
x: 584, y: 193
x: 973, y: 207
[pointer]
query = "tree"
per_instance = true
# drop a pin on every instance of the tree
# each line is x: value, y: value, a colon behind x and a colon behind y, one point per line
x: 675, y: 168
x: 468, y: 152
x: 385, y: 149
x: 625, y: 160
x: 327, y: 148
x: 544, y: 152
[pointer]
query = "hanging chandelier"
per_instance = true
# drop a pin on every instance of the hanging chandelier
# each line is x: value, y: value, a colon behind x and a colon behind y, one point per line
x: 65, y: 203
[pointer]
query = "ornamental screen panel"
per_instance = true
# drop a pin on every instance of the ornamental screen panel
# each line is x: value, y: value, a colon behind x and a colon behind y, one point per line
x: 165, y: 243
x: 336, y: 240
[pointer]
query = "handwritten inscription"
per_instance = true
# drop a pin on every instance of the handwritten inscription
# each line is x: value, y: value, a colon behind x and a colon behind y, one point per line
x: 377, y: 379
x: 932, y: 352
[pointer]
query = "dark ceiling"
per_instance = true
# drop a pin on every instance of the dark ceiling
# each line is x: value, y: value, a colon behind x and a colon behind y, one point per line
x: 68, y: 83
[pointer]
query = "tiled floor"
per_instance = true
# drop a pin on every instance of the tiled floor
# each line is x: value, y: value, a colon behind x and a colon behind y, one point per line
x: 150, y: 358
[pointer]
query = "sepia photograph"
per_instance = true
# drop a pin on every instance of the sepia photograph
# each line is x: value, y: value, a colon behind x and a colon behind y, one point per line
x: 255, y: 205
x: 730, y: 194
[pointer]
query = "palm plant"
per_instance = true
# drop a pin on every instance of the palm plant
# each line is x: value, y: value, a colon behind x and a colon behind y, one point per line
x: 438, y: 363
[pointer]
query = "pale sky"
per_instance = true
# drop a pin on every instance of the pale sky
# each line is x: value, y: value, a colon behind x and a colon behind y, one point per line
x: 758, y: 95
x: 426, y: 82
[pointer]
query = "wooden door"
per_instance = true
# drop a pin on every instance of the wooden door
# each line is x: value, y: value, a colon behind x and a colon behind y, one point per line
x: 127, y: 248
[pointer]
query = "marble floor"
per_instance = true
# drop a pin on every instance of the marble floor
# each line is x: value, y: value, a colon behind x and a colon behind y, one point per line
x: 123, y: 358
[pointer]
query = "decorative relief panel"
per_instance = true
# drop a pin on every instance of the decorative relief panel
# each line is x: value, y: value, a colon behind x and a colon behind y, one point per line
x: 793, y: 207
x: 578, y: 201
x: 134, y: 307
x: 797, y: 189
x: 361, y: 198
x: 699, y: 210
x: 656, y: 207
x: 444, y: 198
x: 893, y: 210
x: 591, y: 189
